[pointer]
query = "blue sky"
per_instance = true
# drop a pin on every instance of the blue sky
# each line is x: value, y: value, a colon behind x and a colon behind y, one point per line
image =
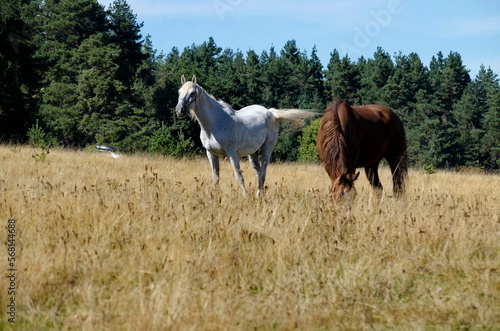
x: 357, y: 27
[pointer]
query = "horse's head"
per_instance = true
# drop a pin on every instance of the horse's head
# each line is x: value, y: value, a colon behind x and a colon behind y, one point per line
x: 344, y: 185
x: 187, y: 97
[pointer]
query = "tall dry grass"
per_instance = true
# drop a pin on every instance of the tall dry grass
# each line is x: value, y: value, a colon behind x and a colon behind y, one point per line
x: 145, y: 243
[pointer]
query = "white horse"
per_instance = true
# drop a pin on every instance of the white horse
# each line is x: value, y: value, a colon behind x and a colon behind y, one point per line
x: 226, y: 132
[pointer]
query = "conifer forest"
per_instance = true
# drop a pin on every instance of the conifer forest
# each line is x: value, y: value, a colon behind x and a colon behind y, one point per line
x: 74, y: 74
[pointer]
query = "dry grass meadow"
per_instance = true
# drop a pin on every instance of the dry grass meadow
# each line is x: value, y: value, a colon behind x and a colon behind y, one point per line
x: 147, y: 243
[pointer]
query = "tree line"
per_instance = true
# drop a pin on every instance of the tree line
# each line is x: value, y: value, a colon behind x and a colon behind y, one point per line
x: 78, y: 74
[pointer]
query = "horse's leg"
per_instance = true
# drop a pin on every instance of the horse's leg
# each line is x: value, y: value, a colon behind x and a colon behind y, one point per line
x: 214, y: 163
x: 372, y: 174
x: 235, y: 162
x: 266, y: 152
x: 255, y: 163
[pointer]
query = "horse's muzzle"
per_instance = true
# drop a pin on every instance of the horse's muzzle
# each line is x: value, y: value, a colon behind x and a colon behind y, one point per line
x: 182, y: 109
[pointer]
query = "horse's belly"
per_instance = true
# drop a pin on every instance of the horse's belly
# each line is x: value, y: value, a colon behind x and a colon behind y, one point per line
x: 243, y: 148
x: 247, y: 151
x: 369, y: 153
x: 213, y: 146
x: 216, y: 151
x: 251, y: 141
x: 366, y: 161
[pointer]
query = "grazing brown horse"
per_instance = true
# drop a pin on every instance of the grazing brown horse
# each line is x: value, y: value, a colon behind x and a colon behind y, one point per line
x: 352, y: 137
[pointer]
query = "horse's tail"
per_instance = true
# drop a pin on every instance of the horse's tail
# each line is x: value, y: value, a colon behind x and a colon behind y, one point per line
x: 399, y: 161
x: 400, y: 173
x: 294, y: 116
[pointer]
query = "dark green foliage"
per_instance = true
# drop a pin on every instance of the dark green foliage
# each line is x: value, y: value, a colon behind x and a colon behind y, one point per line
x: 38, y: 138
x: 287, y: 147
x: 87, y: 74
x: 343, y: 79
x: 490, y: 122
x: 467, y: 113
x: 125, y: 33
x: 18, y: 69
x: 41, y: 141
x: 375, y: 75
x: 94, y: 59
x: 172, y: 141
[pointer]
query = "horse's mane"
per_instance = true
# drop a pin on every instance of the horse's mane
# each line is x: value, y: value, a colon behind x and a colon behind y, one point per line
x: 225, y: 106
x: 332, y: 144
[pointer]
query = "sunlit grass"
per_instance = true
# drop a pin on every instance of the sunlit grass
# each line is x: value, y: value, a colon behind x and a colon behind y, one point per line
x: 147, y: 243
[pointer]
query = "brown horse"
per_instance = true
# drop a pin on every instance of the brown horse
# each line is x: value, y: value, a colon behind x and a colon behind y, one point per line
x: 352, y: 137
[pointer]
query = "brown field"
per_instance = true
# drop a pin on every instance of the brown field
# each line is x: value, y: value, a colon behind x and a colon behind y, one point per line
x: 147, y: 243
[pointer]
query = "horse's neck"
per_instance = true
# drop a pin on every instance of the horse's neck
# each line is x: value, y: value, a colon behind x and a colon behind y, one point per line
x: 209, y: 111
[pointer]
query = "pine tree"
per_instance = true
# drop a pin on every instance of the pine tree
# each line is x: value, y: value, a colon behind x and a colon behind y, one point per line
x: 343, y: 79
x: 490, y: 142
x: 65, y: 25
x: 125, y: 32
x: 223, y: 79
x: 410, y: 76
x: 145, y: 77
x: 470, y: 114
x: 436, y: 68
x: 316, y: 88
x: 448, y: 79
x: 206, y: 60
x: 291, y: 76
x: 96, y: 60
x: 455, y: 79
x: 18, y: 69
x: 375, y: 75
x: 467, y: 113
x: 170, y: 133
x: 238, y: 87
x: 271, y: 78
x: 252, y: 79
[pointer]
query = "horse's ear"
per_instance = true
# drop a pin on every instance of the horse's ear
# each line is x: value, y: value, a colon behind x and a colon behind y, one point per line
x: 194, y: 79
x: 183, y: 80
x: 349, y: 178
x: 355, y: 176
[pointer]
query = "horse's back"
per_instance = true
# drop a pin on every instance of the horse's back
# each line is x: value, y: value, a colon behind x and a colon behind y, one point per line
x: 381, y: 130
x: 370, y: 131
x: 256, y: 120
x: 384, y: 118
x: 254, y: 126
x: 375, y: 114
